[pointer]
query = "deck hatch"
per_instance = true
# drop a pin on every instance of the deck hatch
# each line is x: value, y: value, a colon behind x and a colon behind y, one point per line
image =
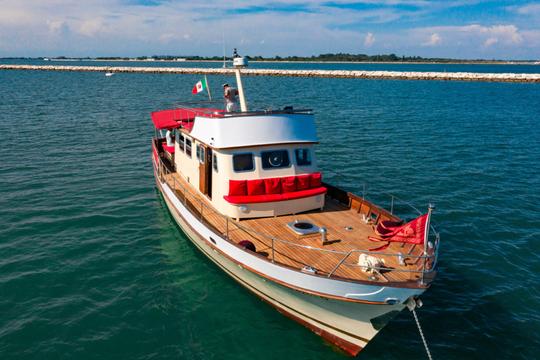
x: 303, y: 227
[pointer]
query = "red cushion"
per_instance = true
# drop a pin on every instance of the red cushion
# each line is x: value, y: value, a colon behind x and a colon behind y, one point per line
x: 169, y: 149
x: 302, y: 182
x: 255, y: 187
x: 274, y: 197
x: 272, y: 186
x: 315, y: 180
x: 237, y: 187
x: 304, y: 193
x: 288, y: 184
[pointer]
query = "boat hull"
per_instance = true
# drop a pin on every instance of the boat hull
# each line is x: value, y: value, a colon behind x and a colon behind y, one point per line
x: 346, y: 324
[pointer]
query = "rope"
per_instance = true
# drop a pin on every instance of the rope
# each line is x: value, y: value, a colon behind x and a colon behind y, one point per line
x: 421, y: 334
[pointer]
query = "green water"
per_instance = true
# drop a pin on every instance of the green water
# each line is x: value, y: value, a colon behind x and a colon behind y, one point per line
x: 93, y: 267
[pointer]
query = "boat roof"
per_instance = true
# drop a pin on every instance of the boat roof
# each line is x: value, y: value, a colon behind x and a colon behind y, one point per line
x: 221, y: 129
x: 248, y: 129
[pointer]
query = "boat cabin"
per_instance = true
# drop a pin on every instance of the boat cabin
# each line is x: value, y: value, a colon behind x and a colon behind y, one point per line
x: 246, y: 164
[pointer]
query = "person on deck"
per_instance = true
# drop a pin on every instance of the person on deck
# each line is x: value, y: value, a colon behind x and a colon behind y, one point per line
x: 169, y: 138
x: 231, y: 98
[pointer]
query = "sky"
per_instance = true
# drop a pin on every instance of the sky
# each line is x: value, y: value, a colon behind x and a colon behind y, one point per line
x: 472, y: 29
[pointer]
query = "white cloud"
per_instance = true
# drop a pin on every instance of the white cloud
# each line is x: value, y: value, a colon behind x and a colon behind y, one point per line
x: 472, y: 35
x: 529, y: 9
x: 490, y: 41
x: 91, y: 27
x: 507, y: 33
x: 121, y: 27
x: 369, y: 40
x: 434, y: 39
x: 56, y: 26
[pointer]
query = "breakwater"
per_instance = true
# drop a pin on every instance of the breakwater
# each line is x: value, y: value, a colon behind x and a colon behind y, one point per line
x: 359, y: 74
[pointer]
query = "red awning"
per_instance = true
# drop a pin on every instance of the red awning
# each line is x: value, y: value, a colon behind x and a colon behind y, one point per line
x: 175, y: 118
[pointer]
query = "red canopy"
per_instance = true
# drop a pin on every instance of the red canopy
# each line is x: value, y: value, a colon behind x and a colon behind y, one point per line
x: 175, y: 118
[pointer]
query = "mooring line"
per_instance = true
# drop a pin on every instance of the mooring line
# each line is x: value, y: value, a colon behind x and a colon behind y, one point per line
x: 421, y: 334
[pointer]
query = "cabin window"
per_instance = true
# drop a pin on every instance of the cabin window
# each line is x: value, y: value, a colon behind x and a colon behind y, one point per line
x: 243, y: 162
x: 181, y: 142
x: 275, y: 159
x: 303, y: 157
x: 214, y: 162
x: 200, y: 153
x: 188, y: 147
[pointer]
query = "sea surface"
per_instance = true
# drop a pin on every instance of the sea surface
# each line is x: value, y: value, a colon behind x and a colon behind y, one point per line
x: 92, y: 266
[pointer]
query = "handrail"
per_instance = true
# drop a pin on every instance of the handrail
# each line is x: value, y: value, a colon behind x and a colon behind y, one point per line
x: 188, y: 107
x: 393, y: 197
x: 163, y: 170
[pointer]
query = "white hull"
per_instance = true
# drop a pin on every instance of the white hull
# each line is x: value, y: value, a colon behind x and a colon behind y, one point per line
x: 344, y: 321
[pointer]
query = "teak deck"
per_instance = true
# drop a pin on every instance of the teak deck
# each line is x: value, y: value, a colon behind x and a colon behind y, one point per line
x: 346, y: 231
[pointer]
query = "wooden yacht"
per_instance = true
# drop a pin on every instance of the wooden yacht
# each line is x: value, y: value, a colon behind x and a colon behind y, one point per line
x: 245, y: 188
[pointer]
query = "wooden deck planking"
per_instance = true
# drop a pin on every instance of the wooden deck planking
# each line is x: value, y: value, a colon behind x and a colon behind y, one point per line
x: 335, y: 217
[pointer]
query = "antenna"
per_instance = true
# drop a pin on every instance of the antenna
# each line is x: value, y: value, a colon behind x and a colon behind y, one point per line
x: 223, y: 42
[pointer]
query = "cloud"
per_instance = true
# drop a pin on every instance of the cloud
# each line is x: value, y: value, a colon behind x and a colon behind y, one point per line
x: 57, y: 26
x: 490, y: 41
x: 473, y: 35
x: 369, y: 40
x: 529, y: 9
x: 298, y: 27
x: 434, y: 39
x: 91, y: 27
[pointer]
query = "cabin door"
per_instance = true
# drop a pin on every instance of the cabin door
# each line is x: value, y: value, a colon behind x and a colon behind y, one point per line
x: 205, y: 170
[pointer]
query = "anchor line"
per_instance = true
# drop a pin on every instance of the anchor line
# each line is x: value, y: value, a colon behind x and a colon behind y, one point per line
x: 421, y: 334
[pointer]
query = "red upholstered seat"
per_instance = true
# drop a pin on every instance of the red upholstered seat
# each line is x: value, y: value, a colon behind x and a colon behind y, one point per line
x: 288, y: 184
x: 315, y: 180
x: 255, y: 187
x: 275, y: 197
x: 237, y: 187
x: 272, y: 186
x: 169, y: 149
x: 274, y: 189
x: 303, y: 182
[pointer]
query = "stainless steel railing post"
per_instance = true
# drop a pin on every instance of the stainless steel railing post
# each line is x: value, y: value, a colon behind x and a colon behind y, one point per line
x: 392, y: 206
x: 272, y: 249
x: 426, y: 240
x: 340, y: 263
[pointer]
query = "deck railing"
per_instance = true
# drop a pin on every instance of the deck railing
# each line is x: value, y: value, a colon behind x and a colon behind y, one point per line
x: 426, y: 261
x: 431, y: 245
x: 203, y: 108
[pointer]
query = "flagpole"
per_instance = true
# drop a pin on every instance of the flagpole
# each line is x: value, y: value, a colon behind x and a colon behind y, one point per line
x: 426, y: 240
x: 207, y: 88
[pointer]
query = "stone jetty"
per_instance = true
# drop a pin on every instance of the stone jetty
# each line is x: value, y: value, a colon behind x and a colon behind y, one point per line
x: 354, y: 74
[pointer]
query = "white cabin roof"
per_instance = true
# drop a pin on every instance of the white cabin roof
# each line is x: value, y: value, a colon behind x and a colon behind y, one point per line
x: 233, y: 131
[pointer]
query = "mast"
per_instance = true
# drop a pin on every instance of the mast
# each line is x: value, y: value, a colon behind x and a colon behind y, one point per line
x: 240, y: 62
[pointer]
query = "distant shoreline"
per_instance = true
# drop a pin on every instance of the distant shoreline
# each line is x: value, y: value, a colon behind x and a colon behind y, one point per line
x: 450, y: 62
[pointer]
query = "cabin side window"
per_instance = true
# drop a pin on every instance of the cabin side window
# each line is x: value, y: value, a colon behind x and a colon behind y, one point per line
x: 200, y: 153
x: 188, y: 147
x: 303, y: 157
x: 275, y: 159
x: 181, y: 142
x: 214, y: 162
x: 243, y: 162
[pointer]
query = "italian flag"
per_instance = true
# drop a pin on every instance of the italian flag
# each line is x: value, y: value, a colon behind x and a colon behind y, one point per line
x: 199, y: 87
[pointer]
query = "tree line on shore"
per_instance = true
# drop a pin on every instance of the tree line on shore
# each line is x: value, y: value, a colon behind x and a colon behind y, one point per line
x: 330, y: 57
